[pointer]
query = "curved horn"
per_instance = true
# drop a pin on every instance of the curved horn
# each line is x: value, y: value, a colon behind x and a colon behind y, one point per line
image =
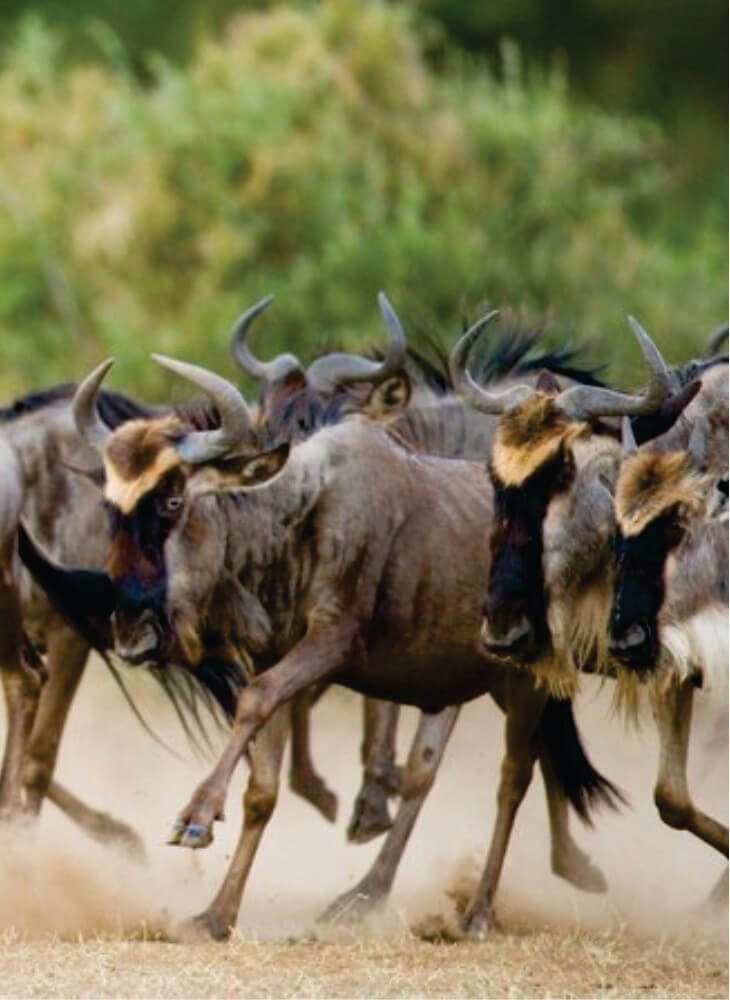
x: 628, y: 441
x: 332, y: 370
x: 203, y: 446
x: 581, y: 402
x: 714, y: 341
x: 471, y: 391
x: 265, y: 371
x: 83, y: 407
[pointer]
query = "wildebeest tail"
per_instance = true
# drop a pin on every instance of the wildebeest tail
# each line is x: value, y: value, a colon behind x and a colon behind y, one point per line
x: 584, y: 786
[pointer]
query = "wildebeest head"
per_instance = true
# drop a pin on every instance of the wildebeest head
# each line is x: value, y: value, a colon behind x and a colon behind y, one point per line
x: 331, y: 386
x: 552, y: 478
x: 164, y: 533
x: 662, y: 499
x: 153, y: 470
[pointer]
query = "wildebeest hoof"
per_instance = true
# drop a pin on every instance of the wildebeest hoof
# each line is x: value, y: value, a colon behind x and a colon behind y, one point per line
x: 204, y: 927
x: 312, y: 788
x: 353, y: 905
x: 370, y: 815
x: 176, y: 832
x: 476, y: 925
x: 578, y: 870
x: 196, y: 835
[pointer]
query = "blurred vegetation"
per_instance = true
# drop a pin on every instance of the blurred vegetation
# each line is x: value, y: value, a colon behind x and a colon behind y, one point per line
x: 322, y: 152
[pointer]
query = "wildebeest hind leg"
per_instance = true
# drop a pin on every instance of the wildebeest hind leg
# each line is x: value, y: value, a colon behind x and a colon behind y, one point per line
x: 567, y: 859
x: 524, y: 707
x: 67, y: 656
x: 381, y: 777
x: 673, y: 716
x: 423, y: 762
x: 21, y: 688
x: 303, y: 779
x: 265, y: 756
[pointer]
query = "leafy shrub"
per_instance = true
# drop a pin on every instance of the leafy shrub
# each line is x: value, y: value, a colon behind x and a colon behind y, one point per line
x: 312, y: 153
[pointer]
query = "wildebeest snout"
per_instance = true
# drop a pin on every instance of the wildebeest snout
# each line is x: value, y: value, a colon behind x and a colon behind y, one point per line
x: 503, y: 638
x: 137, y: 639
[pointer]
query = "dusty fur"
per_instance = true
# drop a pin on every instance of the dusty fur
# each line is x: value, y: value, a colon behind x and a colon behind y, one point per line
x: 529, y: 435
x: 651, y: 482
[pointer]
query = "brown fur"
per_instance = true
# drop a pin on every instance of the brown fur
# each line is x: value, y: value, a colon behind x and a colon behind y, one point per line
x: 529, y: 435
x: 139, y: 453
x: 651, y: 482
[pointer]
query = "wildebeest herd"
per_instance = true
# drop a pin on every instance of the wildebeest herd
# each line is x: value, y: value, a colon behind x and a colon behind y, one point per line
x: 413, y: 531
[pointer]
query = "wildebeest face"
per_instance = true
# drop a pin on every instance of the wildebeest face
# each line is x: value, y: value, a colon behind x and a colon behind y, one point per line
x: 167, y: 548
x: 656, y: 494
x: 532, y: 464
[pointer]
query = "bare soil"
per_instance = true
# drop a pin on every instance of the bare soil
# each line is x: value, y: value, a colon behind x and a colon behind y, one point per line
x: 79, y: 920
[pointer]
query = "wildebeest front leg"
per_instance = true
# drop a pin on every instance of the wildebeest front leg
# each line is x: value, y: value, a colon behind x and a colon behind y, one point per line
x: 303, y: 779
x: 324, y: 649
x: 423, y: 762
x: 265, y: 754
x: 524, y: 707
x: 672, y: 711
x: 381, y: 777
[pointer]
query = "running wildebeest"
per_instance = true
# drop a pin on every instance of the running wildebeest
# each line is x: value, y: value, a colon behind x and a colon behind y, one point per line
x: 669, y: 620
x: 367, y: 559
x: 51, y: 478
x: 437, y: 422
x: 549, y: 592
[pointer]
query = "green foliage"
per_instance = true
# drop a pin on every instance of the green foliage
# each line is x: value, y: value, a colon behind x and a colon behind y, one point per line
x: 313, y: 153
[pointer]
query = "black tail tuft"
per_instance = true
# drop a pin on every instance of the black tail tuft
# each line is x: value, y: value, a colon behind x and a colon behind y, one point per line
x: 580, y: 781
x: 224, y: 680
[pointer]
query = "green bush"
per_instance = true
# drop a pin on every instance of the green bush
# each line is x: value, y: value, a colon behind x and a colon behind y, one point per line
x: 313, y: 154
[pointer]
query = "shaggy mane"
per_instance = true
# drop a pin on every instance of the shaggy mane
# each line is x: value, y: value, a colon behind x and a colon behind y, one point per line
x: 530, y: 435
x: 651, y: 482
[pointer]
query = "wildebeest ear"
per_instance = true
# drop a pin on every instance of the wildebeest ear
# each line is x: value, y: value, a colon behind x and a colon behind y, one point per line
x: 389, y: 398
x: 85, y: 598
x: 547, y: 382
x: 248, y: 470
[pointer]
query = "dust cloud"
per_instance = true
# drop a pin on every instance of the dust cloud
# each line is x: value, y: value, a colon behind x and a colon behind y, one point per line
x: 55, y: 880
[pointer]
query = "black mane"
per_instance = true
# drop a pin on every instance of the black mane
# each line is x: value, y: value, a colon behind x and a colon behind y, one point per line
x: 510, y: 352
x: 114, y: 408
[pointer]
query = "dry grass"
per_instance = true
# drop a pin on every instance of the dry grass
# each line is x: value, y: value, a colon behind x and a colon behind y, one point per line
x: 521, y: 963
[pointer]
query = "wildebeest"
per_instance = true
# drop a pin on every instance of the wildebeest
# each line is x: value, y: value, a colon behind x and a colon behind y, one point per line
x: 549, y: 592
x: 669, y: 620
x: 51, y: 477
x: 40, y: 451
x: 363, y: 557
x: 437, y: 422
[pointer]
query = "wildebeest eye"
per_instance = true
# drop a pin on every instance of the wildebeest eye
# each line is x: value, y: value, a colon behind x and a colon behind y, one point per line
x: 167, y: 505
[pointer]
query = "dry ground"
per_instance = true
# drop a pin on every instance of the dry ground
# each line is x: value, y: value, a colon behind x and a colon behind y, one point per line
x: 520, y: 963
x: 74, y: 917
